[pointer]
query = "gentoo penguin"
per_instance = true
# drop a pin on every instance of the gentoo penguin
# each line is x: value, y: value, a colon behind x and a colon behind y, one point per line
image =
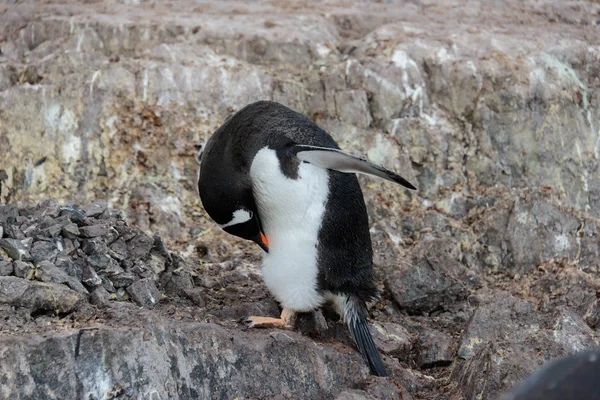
x: 576, y: 376
x: 273, y: 176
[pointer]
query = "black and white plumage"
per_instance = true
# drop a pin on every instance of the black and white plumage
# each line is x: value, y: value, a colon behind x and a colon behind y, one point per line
x: 271, y: 175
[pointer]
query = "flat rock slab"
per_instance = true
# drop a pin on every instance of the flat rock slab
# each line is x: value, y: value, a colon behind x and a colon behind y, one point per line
x: 174, y: 361
x: 38, y: 296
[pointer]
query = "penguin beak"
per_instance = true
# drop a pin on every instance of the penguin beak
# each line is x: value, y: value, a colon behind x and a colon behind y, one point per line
x: 262, y: 241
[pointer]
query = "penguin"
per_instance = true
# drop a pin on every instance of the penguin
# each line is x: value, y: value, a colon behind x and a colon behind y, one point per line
x: 271, y: 175
x: 576, y: 376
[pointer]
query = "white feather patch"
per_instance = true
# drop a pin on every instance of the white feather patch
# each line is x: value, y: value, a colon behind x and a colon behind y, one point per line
x: 291, y: 212
x: 239, y: 217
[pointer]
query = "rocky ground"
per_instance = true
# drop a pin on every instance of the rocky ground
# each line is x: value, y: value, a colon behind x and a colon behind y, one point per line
x: 487, y: 272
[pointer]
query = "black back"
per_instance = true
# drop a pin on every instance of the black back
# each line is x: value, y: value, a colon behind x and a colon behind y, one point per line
x: 345, y: 253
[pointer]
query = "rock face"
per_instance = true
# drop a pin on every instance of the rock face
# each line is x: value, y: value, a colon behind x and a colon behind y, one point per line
x: 488, y: 271
x: 187, y: 361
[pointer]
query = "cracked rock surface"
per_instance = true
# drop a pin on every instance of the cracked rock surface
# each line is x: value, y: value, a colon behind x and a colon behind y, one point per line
x: 487, y: 272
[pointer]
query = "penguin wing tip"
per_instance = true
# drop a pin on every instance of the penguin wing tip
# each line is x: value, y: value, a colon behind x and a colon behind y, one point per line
x: 400, y: 180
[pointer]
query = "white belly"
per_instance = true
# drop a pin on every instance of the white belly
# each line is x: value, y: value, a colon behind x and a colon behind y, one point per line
x: 291, y: 211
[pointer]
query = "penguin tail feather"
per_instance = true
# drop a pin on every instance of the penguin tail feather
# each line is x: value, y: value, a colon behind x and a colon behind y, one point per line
x: 355, y: 316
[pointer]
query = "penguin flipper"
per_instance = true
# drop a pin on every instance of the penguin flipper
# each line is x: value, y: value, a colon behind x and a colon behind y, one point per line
x: 329, y: 158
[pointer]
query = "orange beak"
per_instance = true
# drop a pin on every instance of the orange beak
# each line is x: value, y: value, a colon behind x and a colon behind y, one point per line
x: 264, y: 239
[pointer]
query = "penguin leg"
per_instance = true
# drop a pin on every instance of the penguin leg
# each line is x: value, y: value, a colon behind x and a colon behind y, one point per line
x: 286, y: 320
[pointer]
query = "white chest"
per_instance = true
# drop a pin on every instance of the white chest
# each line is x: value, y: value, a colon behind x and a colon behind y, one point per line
x: 291, y: 212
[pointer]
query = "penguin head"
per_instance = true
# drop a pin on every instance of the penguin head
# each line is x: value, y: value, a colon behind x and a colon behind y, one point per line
x: 226, y: 194
x: 237, y: 217
x: 246, y: 225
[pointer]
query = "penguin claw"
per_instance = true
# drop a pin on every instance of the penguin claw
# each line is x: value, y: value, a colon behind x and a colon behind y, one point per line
x: 266, y: 322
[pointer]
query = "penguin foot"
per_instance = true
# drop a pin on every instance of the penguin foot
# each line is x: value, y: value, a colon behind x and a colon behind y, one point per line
x: 266, y: 322
x: 286, y: 321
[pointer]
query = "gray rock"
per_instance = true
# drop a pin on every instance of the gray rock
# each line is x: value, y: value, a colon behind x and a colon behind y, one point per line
x: 141, y: 269
x: 38, y: 296
x: 571, y: 332
x: 113, y: 269
x: 144, y: 293
x: 90, y: 277
x: 502, y: 316
x: 23, y: 269
x: 106, y: 283
x: 393, y: 339
x: 539, y: 231
x: 48, y: 227
x: 43, y: 251
x: 93, y: 231
x: 70, y: 231
x: 111, y: 213
x: 49, y: 208
x: 73, y: 213
x: 15, y: 249
x: 111, y: 235
x: 52, y: 231
x: 8, y: 211
x: 355, y: 394
x: 6, y: 268
x: 140, y: 245
x: 126, y: 232
x: 235, y: 363
x: 123, y: 280
x: 179, y: 284
x: 157, y: 263
x: 12, y: 231
x: 196, y: 295
x: 118, y: 276
x: 100, y: 261
x: 385, y: 388
x: 435, y: 349
x: 94, y: 246
x: 352, y: 106
x: 178, y: 280
x: 99, y: 297
x: 48, y: 272
x: 431, y: 283
x: 69, y: 246
x: 119, y: 249
x: 160, y: 248
x: 1, y: 231
x: 71, y: 266
x: 592, y: 315
x: 95, y: 209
